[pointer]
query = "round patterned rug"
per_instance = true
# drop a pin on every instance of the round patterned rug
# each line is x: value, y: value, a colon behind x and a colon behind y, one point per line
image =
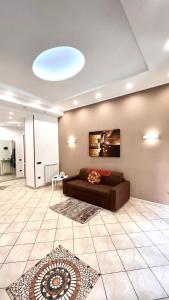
x: 57, y: 278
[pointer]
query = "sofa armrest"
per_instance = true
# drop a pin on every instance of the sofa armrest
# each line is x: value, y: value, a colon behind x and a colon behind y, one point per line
x: 119, y: 194
x: 69, y: 178
x: 65, y: 180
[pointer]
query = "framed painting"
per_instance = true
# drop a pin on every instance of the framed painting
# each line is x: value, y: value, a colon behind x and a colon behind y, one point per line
x: 104, y: 143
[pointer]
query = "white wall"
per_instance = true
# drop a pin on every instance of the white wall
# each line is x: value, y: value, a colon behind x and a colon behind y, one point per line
x: 46, y: 145
x: 15, y: 134
x: 29, y: 151
x: 41, y: 139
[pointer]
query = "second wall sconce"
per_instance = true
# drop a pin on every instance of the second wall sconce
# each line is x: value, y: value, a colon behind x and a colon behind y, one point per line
x: 71, y: 141
x: 151, y: 136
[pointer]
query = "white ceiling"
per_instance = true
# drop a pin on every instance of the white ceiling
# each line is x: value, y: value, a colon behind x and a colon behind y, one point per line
x: 122, y: 41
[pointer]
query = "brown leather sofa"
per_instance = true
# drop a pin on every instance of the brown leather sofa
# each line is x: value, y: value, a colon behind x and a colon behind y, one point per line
x: 111, y: 193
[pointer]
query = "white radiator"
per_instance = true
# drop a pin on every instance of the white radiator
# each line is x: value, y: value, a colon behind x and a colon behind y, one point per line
x: 50, y: 171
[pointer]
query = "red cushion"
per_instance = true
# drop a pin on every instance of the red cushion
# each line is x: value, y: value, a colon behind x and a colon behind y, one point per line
x: 102, y: 172
x: 94, y: 177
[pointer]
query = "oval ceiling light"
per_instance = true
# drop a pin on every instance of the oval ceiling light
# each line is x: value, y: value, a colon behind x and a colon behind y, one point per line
x: 58, y: 63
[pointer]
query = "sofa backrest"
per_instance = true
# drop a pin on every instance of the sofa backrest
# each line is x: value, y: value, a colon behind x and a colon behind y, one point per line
x: 108, y: 177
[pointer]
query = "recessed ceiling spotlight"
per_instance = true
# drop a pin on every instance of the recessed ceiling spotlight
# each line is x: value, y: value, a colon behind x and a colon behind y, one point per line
x: 34, y: 105
x: 98, y: 95
x: 13, y: 122
x: 38, y: 101
x: 10, y: 118
x: 55, y: 111
x: 58, y: 63
x: 166, y: 46
x: 129, y: 86
x: 75, y: 102
x: 9, y: 93
x: 57, y: 107
x: 11, y: 113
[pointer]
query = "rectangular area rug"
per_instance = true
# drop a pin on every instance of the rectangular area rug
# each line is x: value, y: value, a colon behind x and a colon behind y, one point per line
x: 60, y: 275
x: 76, y: 210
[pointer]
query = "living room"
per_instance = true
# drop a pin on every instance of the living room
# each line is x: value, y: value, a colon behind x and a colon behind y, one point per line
x: 84, y: 139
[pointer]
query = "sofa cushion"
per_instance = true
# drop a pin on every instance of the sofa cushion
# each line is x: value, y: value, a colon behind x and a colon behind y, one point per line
x: 114, y: 179
x: 108, y: 178
x: 83, y: 174
x: 94, y: 177
x: 82, y: 185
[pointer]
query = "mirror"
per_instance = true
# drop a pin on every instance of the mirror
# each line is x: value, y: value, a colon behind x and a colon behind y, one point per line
x: 7, y: 160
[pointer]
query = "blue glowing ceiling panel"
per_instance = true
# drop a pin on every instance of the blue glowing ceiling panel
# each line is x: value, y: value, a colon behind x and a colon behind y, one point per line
x: 58, y: 64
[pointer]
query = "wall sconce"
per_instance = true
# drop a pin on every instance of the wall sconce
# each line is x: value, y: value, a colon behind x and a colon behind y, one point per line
x: 71, y: 141
x: 151, y: 136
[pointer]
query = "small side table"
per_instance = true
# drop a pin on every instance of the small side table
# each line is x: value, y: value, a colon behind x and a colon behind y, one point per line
x: 57, y: 179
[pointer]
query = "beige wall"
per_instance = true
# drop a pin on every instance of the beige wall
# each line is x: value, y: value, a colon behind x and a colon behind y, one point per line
x: 144, y: 164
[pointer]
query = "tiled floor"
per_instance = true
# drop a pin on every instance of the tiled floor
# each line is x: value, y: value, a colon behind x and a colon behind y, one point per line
x: 4, y: 178
x: 129, y: 248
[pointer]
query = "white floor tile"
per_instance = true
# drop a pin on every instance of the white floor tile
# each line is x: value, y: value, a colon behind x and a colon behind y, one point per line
x: 131, y: 227
x: 15, y: 227
x: 122, y: 241
x: 140, y: 239
x: 46, y: 236
x: 160, y: 224
x: 109, y: 219
x: 49, y: 224
x: 162, y: 274
x: 164, y: 249
x: 97, y: 292
x: 131, y: 259
x: 40, y: 250
x: 27, y: 237
x: 118, y: 287
x: 3, y: 227
x: 98, y: 230
x: 146, y: 225
x: 153, y: 256
x: 8, y: 239
x: 64, y: 222
x: 11, y: 272
x: 91, y: 260
x: 4, y: 251
x: 4, y: 295
x: 103, y: 243
x: 64, y: 234
x: 84, y: 245
x: 33, y: 226
x: 165, y: 232
x: 81, y: 232
x: 19, y: 253
x: 157, y: 237
x: 97, y: 220
x: 109, y: 262
x: 115, y: 228
x: 146, y: 285
x: 122, y: 218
